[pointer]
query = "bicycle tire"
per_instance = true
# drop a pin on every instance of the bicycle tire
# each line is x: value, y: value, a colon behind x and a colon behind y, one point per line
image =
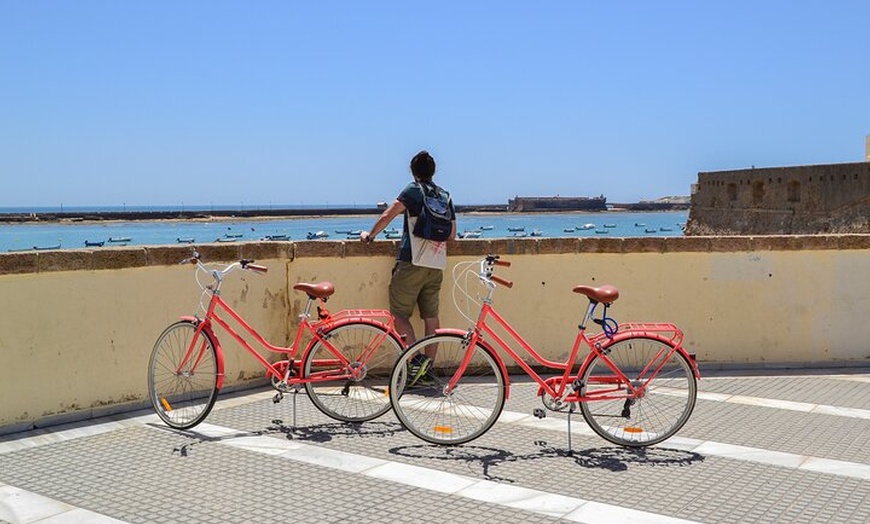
x: 425, y: 408
x: 182, y: 399
x: 365, y: 396
x: 663, y: 409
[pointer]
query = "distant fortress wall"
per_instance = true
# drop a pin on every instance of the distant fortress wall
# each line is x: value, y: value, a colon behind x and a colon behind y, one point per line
x: 557, y: 203
x: 829, y: 198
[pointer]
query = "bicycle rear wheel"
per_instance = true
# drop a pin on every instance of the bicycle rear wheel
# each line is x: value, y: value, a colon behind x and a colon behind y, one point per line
x: 665, y: 404
x: 361, y: 394
x: 418, y: 391
x: 183, y: 394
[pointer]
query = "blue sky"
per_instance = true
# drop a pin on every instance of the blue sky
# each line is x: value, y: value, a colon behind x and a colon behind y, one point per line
x: 286, y: 102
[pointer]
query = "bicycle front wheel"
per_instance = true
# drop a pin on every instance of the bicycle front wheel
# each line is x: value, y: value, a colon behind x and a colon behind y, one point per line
x: 182, y: 375
x: 667, y: 392
x: 356, y: 392
x: 433, y: 411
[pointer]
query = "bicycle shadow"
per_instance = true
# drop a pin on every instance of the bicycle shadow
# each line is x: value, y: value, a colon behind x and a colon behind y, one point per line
x: 615, y: 459
x: 318, y: 433
x: 329, y: 431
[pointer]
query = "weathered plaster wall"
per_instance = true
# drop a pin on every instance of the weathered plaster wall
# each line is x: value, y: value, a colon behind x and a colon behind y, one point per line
x: 77, y: 327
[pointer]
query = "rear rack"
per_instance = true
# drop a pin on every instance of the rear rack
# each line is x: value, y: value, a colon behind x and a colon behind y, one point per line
x: 659, y: 329
x: 378, y: 315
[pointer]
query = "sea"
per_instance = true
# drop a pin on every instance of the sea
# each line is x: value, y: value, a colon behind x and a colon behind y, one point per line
x: 102, y: 234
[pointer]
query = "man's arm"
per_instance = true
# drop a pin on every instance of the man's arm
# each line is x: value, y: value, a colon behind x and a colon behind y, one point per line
x: 395, y: 209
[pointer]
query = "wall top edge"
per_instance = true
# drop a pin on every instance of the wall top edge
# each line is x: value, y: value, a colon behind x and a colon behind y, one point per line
x: 145, y: 256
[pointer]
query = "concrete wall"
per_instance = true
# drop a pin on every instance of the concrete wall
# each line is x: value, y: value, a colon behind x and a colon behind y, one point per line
x: 832, y: 198
x: 77, y: 327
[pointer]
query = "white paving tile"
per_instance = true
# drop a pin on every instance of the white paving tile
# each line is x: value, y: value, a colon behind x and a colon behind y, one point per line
x: 334, y: 459
x: 761, y: 456
x: 424, y: 478
x: 19, y: 506
x: 521, y: 498
x: 598, y: 513
x: 772, y: 403
x: 836, y: 467
x: 79, y: 516
x: 843, y: 412
x: 266, y: 445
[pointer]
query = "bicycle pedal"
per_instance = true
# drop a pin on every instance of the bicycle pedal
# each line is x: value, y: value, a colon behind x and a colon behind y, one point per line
x: 539, y: 413
x: 278, y: 397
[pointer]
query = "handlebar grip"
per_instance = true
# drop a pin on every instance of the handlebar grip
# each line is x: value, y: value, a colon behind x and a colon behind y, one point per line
x: 503, y: 281
x: 256, y: 267
x: 504, y: 263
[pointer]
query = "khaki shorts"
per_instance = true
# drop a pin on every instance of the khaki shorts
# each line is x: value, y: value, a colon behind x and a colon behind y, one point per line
x: 412, y: 285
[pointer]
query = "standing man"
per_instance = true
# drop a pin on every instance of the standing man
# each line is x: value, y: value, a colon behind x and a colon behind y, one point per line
x: 413, y: 284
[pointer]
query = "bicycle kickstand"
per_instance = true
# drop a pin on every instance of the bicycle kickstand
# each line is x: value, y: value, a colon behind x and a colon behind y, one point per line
x: 570, y: 411
x: 295, y: 392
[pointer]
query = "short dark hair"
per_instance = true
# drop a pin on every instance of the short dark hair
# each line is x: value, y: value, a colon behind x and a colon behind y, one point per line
x: 423, y: 166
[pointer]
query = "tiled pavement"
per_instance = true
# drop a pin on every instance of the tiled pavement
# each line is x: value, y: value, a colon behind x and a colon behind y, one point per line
x: 765, y: 447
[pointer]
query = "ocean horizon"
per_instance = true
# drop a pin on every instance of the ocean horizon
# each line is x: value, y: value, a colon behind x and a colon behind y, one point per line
x: 15, y: 210
x: 66, y: 234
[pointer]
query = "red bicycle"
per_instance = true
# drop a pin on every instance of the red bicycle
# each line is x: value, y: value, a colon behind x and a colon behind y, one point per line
x: 635, y: 387
x: 344, y: 368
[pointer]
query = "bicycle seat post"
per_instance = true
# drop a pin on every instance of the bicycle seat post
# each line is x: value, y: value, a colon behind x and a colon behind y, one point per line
x: 306, y: 314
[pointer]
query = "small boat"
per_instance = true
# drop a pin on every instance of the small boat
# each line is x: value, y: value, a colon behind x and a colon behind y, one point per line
x: 486, y: 228
x: 354, y: 234
x: 391, y: 231
x: 189, y: 240
x: 88, y: 243
x: 393, y: 236
x: 234, y: 235
x: 665, y: 229
x: 639, y: 224
x: 317, y: 235
x: 601, y: 231
x: 587, y: 226
x: 276, y: 237
x: 517, y: 228
x: 647, y: 230
x: 225, y: 239
x: 342, y: 231
x: 119, y: 239
x: 570, y: 229
x: 520, y: 234
x: 46, y: 248
x: 610, y: 225
x: 537, y: 233
x: 473, y: 233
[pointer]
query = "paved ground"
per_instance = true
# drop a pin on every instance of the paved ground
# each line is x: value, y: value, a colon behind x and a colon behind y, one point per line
x: 758, y: 448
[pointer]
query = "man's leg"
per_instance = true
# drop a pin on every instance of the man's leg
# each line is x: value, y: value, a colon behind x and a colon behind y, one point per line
x: 404, y: 327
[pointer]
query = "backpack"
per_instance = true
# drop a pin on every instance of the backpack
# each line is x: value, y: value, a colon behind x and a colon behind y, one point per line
x: 435, y: 220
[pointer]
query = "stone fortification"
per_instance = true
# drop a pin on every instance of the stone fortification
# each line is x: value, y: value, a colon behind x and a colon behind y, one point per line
x: 817, y: 199
x: 521, y: 204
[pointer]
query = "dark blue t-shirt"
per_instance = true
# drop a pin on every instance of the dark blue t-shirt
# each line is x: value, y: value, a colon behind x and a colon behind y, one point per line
x: 412, y: 198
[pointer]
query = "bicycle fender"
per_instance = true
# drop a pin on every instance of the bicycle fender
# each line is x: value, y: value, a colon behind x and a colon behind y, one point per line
x: 486, y: 345
x: 219, y: 352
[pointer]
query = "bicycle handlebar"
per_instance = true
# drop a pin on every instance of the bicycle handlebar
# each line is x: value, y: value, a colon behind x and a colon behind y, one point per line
x: 503, y: 281
x: 218, y: 274
x: 504, y: 263
x: 249, y: 264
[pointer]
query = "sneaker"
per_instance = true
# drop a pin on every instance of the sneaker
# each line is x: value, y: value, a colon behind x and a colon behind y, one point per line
x: 418, y: 367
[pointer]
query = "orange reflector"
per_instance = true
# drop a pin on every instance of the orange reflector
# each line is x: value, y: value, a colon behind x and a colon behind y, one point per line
x: 165, y: 404
x: 387, y: 391
x: 633, y: 430
x: 442, y: 429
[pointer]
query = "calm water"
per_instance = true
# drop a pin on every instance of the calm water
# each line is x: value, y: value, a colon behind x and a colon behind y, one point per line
x: 15, y: 237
